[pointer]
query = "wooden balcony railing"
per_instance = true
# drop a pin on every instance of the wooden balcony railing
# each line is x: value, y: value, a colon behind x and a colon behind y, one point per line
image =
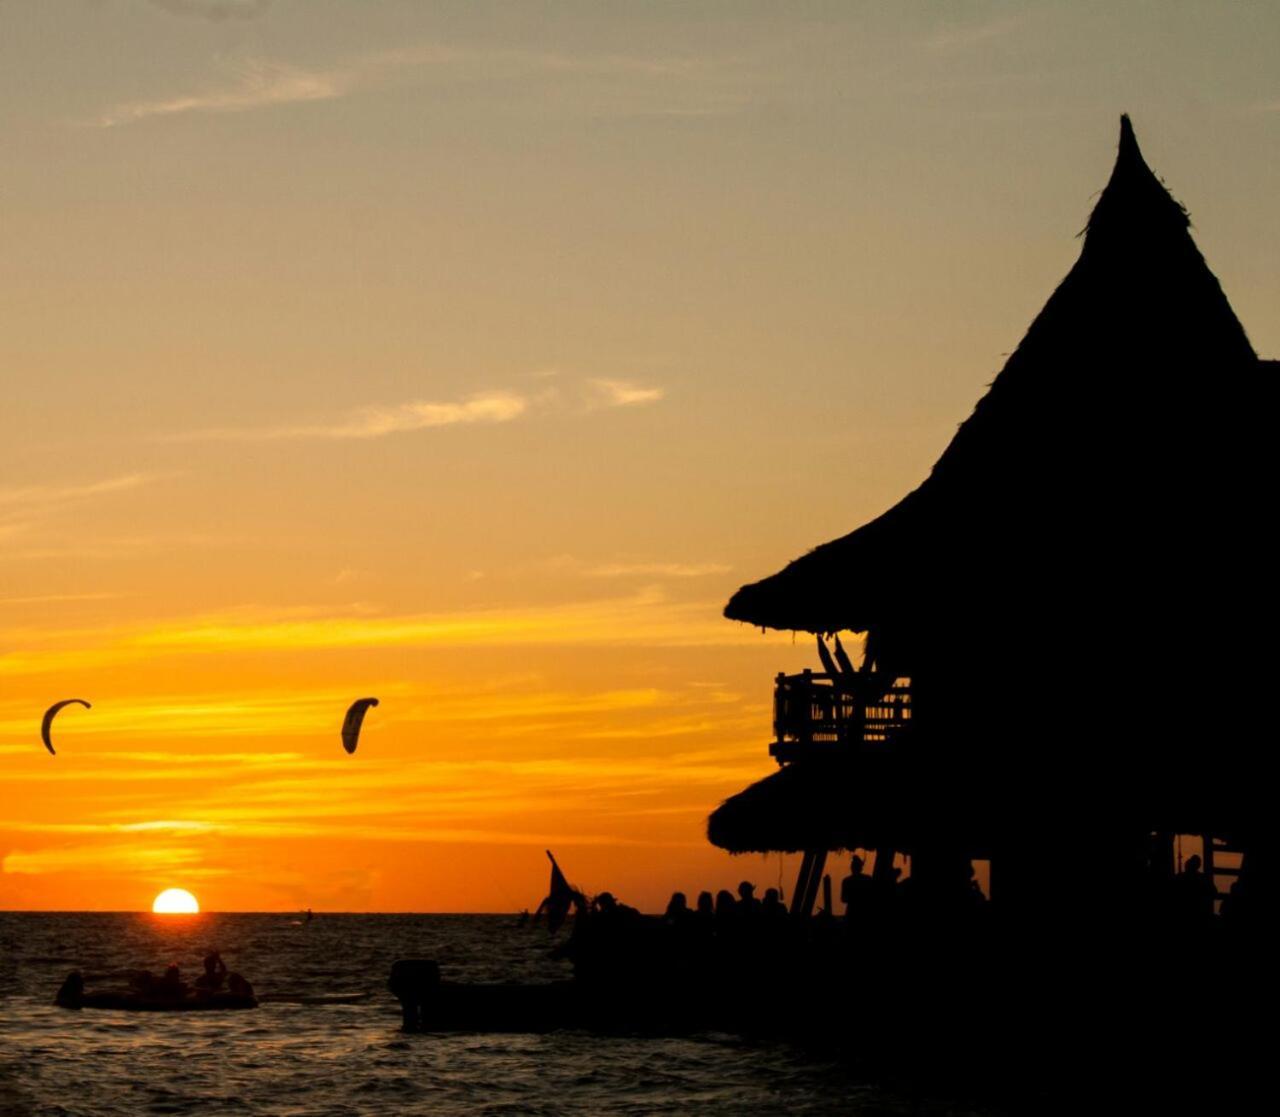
x: 814, y: 713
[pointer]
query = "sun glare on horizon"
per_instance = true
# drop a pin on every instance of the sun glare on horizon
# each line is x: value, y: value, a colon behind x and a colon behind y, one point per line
x: 175, y: 901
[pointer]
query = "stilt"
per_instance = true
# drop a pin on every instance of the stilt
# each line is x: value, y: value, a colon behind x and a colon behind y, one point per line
x: 802, y: 881
x: 807, y: 881
x: 811, y: 885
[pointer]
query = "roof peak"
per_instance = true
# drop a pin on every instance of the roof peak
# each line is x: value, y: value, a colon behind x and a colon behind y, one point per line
x: 1134, y: 195
x: 1128, y: 141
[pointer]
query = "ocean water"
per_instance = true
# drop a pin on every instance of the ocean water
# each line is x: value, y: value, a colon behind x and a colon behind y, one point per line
x: 296, y: 1059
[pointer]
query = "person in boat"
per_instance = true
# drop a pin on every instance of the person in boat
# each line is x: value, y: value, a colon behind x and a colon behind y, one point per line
x: 169, y: 985
x: 238, y: 986
x: 215, y: 973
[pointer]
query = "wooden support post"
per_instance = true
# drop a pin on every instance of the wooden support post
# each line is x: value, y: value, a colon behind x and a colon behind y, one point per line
x: 826, y: 894
x: 779, y: 708
x: 815, y: 878
x: 806, y: 733
x: 802, y: 882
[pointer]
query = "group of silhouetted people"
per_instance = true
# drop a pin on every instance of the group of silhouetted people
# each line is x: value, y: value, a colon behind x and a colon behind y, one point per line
x: 170, y: 985
x: 723, y: 926
x: 610, y: 938
x: 147, y: 989
x: 724, y: 912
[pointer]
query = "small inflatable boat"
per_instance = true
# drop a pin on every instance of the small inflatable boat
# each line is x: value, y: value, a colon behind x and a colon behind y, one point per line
x: 73, y: 995
x: 127, y: 1000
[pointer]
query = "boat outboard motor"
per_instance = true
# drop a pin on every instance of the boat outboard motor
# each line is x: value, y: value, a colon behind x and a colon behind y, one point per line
x: 412, y: 981
x: 71, y: 995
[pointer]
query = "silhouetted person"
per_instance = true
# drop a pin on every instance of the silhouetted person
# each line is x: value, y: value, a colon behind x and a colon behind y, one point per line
x: 215, y: 973
x: 677, y: 913
x: 1195, y: 893
x: 726, y: 911
x: 238, y: 986
x: 706, y: 909
x: 748, y: 905
x: 609, y: 910
x: 856, y: 890
x: 170, y: 984
x: 773, y: 916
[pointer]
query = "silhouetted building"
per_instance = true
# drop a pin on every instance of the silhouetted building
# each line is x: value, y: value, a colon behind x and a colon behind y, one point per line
x: 1068, y: 623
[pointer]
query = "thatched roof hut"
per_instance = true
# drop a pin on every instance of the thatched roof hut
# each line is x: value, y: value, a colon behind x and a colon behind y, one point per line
x: 1077, y: 587
x: 1104, y: 390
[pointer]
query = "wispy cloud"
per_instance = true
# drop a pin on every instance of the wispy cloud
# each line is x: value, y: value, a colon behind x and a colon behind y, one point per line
x: 56, y: 598
x: 259, y: 84
x: 622, y: 393
x: 631, y: 568
x: 218, y: 11
x: 481, y: 409
x: 649, y: 618
x: 165, y: 825
x: 657, y: 570
x: 616, y: 85
x: 959, y: 36
x: 45, y: 495
x: 107, y: 857
x: 377, y: 421
x: 25, y: 507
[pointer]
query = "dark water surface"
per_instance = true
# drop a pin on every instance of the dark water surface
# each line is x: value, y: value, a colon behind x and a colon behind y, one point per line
x: 289, y: 1058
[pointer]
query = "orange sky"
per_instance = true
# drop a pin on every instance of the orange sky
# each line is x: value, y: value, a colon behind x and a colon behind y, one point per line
x: 470, y: 356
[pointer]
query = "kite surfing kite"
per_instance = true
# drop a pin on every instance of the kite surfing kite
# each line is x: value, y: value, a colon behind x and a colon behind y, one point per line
x: 50, y: 714
x: 353, y: 721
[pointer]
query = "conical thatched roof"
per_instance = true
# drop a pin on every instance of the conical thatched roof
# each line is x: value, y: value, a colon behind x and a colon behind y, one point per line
x: 1085, y: 440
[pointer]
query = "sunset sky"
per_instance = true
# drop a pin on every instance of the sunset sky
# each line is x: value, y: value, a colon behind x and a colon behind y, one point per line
x: 470, y: 355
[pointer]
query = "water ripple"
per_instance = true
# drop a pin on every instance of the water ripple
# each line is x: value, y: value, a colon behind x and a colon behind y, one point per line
x: 288, y: 1059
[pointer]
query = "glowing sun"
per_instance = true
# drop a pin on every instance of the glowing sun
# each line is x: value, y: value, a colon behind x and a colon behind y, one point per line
x: 175, y: 901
